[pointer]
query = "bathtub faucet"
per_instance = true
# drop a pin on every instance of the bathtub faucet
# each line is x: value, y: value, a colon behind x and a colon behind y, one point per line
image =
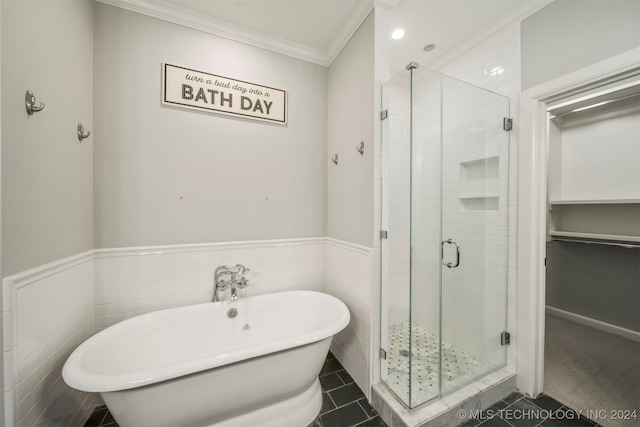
x: 238, y: 283
x: 221, y: 284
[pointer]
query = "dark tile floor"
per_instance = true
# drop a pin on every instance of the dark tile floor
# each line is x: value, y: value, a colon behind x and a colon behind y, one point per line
x: 101, y: 417
x: 517, y: 410
x: 343, y: 403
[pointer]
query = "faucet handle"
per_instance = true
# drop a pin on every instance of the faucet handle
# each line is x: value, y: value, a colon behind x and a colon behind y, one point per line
x: 222, y: 285
x: 243, y: 283
x: 242, y: 269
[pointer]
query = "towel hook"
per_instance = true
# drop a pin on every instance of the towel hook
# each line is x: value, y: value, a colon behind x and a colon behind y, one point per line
x: 30, y: 102
x: 81, y: 134
x: 360, y: 148
x: 334, y: 159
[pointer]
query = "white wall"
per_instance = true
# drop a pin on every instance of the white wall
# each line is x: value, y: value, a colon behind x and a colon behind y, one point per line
x: 568, y: 35
x: 353, y: 217
x: 239, y: 179
x: 351, y: 102
x: 600, y: 158
x: 47, y: 203
x: 351, y: 93
x: 47, y: 177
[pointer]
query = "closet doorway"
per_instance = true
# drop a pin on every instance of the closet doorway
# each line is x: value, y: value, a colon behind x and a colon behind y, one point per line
x: 592, y: 321
x: 577, y: 203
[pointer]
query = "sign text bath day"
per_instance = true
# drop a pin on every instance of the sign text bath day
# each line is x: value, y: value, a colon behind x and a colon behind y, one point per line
x: 194, y: 89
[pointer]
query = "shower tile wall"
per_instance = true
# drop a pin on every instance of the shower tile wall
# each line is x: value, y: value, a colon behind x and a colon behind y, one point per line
x: 474, y: 294
x: 48, y: 311
x: 426, y: 212
x: 494, y: 64
x: 134, y: 281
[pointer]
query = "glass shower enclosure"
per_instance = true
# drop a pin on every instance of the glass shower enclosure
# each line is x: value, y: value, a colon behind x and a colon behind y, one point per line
x: 444, y: 261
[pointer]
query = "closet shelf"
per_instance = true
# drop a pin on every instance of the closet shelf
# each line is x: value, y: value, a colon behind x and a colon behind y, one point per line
x: 595, y: 202
x: 596, y: 237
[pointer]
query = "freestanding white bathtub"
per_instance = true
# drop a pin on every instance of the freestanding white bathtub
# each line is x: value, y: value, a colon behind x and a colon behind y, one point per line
x: 195, y: 366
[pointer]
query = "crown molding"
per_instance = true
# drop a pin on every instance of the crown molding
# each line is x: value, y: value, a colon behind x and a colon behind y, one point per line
x: 387, y: 4
x: 349, y: 28
x: 197, y: 21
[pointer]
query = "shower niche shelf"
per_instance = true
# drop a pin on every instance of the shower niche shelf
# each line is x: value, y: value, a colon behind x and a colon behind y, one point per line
x: 479, y: 184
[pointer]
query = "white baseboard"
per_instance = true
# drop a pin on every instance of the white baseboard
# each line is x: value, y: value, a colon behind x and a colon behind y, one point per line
x: 596, y: 324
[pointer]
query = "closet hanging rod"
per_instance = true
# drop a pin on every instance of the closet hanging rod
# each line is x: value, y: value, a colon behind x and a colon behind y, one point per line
x: 630, y: 245
x: 627, y: 94
x: 621, y: 91
x: 627, y: 100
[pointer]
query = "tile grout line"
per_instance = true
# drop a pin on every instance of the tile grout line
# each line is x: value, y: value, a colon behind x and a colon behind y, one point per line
x: 104, y: 417
x: 538, y: 407
x: 347, y: 404
x: 334, y: 404
x: 365, y: 411
x: 369, y: 418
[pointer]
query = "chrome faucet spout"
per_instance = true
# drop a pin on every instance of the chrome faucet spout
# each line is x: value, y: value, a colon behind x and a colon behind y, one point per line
x: 229, y: 273
x: 219, y: 283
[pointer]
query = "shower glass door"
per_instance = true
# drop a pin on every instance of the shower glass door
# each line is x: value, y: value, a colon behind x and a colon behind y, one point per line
x: 474, y: 240
x: 445, y: 209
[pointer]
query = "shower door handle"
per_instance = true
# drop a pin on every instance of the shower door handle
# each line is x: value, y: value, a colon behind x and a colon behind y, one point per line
x: 448, y: 264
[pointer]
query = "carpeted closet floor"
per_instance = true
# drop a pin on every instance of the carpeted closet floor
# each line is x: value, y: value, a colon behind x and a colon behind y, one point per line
x: 591, y: 370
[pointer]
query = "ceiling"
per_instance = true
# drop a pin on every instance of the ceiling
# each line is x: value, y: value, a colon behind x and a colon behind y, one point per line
x: 452, y: 25
x: 316, y: 30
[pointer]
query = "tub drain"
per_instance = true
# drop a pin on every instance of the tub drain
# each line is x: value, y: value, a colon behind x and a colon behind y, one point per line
x: 232, y: 313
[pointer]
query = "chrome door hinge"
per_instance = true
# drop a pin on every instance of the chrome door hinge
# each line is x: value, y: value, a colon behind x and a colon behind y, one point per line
x: 505, y: 338
x: 383, y: 354
x: 383, y: 234
x: 384, y: 114
x: 507, y: 124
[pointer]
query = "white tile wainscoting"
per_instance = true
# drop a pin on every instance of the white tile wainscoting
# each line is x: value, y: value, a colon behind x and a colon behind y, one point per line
x: 350, y: 278
x: 48, y: 311
x: 134, y: 281
x: 51, y: 309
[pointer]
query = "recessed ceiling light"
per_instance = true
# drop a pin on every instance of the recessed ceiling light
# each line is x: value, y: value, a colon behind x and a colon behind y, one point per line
x: 429, y: 47
x: 397, y: 34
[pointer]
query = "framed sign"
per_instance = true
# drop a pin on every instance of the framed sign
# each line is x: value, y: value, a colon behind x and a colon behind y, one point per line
x: 188, y: 88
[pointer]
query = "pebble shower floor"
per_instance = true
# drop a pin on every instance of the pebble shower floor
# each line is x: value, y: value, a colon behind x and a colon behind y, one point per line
x: 425, y: 353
